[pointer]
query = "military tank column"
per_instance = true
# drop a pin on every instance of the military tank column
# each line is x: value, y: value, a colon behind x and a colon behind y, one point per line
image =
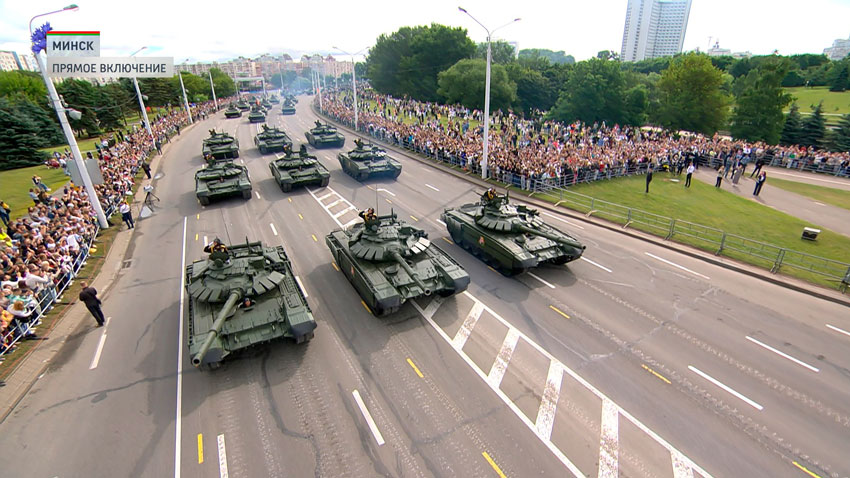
x: 325, y: 135
x: 301, y: 169
x: 288, y: 106
x: 222, y: 179
x: 367, y: 161
x: 271, y: 140
x: 257, y: 114
x: 232, y: 112
x: 240, y: 296
x: 511, y: 237
x: 220, y: 146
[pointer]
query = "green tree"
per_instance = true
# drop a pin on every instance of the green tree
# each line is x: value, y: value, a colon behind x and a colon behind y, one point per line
x: 26, y: 83
x: 45, y: 123
x: 791, y: 129
x: 464, y: 83
x: 533, y: 89
x: 760, y: 102
x: 555, y: 57
x: 813, y: 129
x: 160, y: 91
x: 18, y: 139
x: 840, y: 76
x: 841, y: 134
x: 501, y: 52
x: 407, y: 62
x: 595, y: 91
x: 224, y: 85
x: 691, y: 95
x: 113, y: 104
x: 82, y: 96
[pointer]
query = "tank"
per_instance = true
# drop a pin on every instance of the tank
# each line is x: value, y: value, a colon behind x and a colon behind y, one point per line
x: 243, y: 105
x: 220, y: 146
x: 324, y: 136
x: 232, y: 112
x: 241, y: 296
x: 298, y: 169
x: 288, y: 107
x: 390, y: 262
x: 292, y: 98
x: 257, y: 114
x: 270, y: 140
x: 509, y: 237
x: 266, y: 104
x: 368, y: 161
x: 273, y: 99
x: 222, y: 179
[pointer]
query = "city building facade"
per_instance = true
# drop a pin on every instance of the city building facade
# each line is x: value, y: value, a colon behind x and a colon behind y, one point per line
x: 654, y: 28
x: 839, y: 49
x: 270, y: 65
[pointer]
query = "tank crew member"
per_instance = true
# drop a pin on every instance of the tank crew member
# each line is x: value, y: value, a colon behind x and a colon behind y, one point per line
x: 215, y: 246
x: 490, y: 194
x: 369, y: 215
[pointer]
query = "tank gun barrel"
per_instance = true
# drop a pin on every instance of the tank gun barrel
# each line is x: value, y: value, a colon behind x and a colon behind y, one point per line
x: 232, y: 299
x: 560, y: 240
x: 412, y: 273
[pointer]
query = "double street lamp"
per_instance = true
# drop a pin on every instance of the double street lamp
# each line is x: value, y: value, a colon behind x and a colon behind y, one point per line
x: 353, y: 78
x: 486, y: 89
x: 142, y: 100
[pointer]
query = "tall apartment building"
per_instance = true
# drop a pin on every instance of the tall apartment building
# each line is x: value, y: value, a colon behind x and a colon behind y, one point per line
x: 839, y: 49
x: 654, y: 28
x: 268, y: 66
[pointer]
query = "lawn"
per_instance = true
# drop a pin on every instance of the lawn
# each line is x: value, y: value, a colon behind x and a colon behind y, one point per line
x: 836, y: 197
x: 16, y: 183
x: 88, y: 143
x: 833, y: 102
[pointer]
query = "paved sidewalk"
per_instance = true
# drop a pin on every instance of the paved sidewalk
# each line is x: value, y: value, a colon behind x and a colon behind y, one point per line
x: 818, y: 179
x: 826, y: 216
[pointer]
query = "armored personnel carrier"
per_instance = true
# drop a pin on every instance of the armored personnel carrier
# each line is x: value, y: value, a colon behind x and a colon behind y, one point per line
x: 220, y: 146
x: 510, y: 237
x: 270, y: 140
x: 243, y: 105
x: 389, y: 262
x: 221, y: 179
x: 368, y: 161
x: 232, y: 112
x: 288, y: 107
x: 257, y: 114
x: 293, y: 170
x: 240, y: 296
x: 324, y: 136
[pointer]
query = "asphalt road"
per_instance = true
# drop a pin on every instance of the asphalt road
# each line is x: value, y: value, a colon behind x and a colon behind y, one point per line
x: 637, y: 361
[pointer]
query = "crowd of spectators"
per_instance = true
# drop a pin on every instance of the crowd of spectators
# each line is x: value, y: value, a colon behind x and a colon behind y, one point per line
x: 40, y: 252
x: 531, y: 150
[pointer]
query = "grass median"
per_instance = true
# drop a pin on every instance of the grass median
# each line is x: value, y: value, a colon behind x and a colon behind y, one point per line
x: 16, y: 183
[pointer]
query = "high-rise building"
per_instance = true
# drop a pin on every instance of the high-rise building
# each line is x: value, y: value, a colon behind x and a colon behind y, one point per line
x: 654, y: 28
x: 9, y: 61
x: 839, y: 49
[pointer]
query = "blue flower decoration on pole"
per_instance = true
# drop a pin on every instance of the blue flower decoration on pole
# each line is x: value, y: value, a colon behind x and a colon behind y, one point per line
x: 39, y: 38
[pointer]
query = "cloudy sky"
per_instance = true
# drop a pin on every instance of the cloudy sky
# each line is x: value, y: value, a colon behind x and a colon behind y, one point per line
x: 211, y: 30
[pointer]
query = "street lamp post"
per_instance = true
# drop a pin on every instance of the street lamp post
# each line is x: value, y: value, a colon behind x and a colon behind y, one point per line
x: 353, y: 79
x: 141, y: 100
x: 486, y: 90
x: 185, y: 98
x: 66, y: 128
x: 212, y: 87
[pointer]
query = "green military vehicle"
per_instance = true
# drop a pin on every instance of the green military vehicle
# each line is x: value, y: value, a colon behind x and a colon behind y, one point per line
x: 390, y: 262
x: 288, y: 107
x: 273, y: 99
x: 301, y: 169
x: 266, y: 104
x: 240, y: 296
x: 324, y: 136
x: 221, y: 179
x: 220, y: 146
x: 232, y: 112
x: 511, y: 238
x: 243, y: 105
x: 368, y: 161
x: 270, y: 140
x: 257, y: 114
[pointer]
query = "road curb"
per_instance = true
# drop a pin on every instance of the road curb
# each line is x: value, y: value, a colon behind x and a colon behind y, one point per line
x: 726, y: 263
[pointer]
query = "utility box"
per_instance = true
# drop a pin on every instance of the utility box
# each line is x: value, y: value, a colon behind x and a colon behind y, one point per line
x: 810, y: 234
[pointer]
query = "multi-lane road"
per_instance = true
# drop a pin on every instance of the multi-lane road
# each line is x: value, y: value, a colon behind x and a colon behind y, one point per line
x: 634, y: 361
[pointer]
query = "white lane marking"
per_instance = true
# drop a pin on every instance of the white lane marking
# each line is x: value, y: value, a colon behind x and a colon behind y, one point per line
x: 808, y: 177
x: 96, y: 359
x: 819, y: 203
x: 433, y: 306
x: 387, y: 191
x: 274, y: 231
x: 840, y: 331
x: 334, y: 203
x: 783, y: 354
x: 325, y: 196
x: 441, y: 222
x: 432, y: 187
x: 546, y: 413
x: 350, y: 223
x: 205, y: 240
x: 462, y: 334
x: 500, y: 366
x: 298, y: 280
x: 179, y: 412
x: 541, y: 280
x: 368, y: 416
x: 597, y: 265
x: 222, y: 457
x: 680, y: 467
x: 257, y: 194
x: 725, y: 387
x: 562, y: 220
x: 344, y: 211
x: 609, y: 441
x: 677, y: 265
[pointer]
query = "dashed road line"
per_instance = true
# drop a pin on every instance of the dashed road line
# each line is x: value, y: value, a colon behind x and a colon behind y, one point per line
x: 200, y: 448
x: 493, y: 464
x: 446, y: 239
x: 386, y: 191
x: 725, y: 387
x: 415, y: 368
x: 196, y: 236
x: 300, y: 216
x: 441, y: 223
x: 222, y: 457
x: 368, y: 416
x: 335, y: 266
x: 432, y: 187
x: 315, y: 239
x: 585, y: 259
x: 840, y: 331
x: 414, y: 218
x: 205, y: 240
x: 559, y: 311
x: 677, y: 266
x: 274, y: 231
x: 301, y: 285
x: 99, y: 350
x: 562, y: 220
x: 366, y: 306
x: 805, y: 470
x: 547, y: 284
x: 783, y: 354
x: 257, y: 194
x: 657, y: 375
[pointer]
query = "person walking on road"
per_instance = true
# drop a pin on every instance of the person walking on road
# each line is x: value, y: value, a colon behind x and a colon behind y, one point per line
x: 89, y: 296
x: 126, y: 214
x: 760, y: 180
x: 147, y: 169
x: 688, y: 177
x: 648, y: 178
x: 759, y: 164
x: 719, y: 176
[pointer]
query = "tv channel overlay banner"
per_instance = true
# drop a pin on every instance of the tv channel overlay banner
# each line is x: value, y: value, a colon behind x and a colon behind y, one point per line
x: 73, y: 43
x: 110, y: 67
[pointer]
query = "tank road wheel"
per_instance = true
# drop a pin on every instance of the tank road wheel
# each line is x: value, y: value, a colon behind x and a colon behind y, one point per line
x: 236, y: 154
x: 324, y: 182
x: 304, y: 338
x: 204, y: 200
x: 559, y: 261
x: 263, y: 150
x: 286, y: 187
x: 362, y: 177
x: 457, y: 235
x: 246, y: 194
x: 396, y: 175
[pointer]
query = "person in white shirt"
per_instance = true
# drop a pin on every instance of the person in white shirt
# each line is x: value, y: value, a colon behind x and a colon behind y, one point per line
x: 688, y: 177
x: 126, y: 215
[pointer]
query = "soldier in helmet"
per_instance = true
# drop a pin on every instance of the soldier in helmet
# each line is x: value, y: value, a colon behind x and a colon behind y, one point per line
x: 215, y: 246
x: 369, y: 215
x: 490, y: 194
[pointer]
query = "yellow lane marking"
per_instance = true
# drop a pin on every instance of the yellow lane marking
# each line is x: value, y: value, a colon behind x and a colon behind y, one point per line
x: 447, y: 239
x: 335, y: 266
x: 300, y: 216
x: 814, y: 475
x: 415, y: 368
x: 559, y: 311
x: 493, y: 464
x: 200, y: 448
x: 494, y: 270
x: 290, y: 199
x: 653, y: 372
x: 366, y: 307
x: 314, y: 238
x: 414, y: 218
x: 387, y: 200
x: 196, y: 237
x: 198, y: 216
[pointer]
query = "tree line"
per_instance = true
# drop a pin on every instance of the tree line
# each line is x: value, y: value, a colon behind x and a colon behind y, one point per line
x: 690, y: 91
